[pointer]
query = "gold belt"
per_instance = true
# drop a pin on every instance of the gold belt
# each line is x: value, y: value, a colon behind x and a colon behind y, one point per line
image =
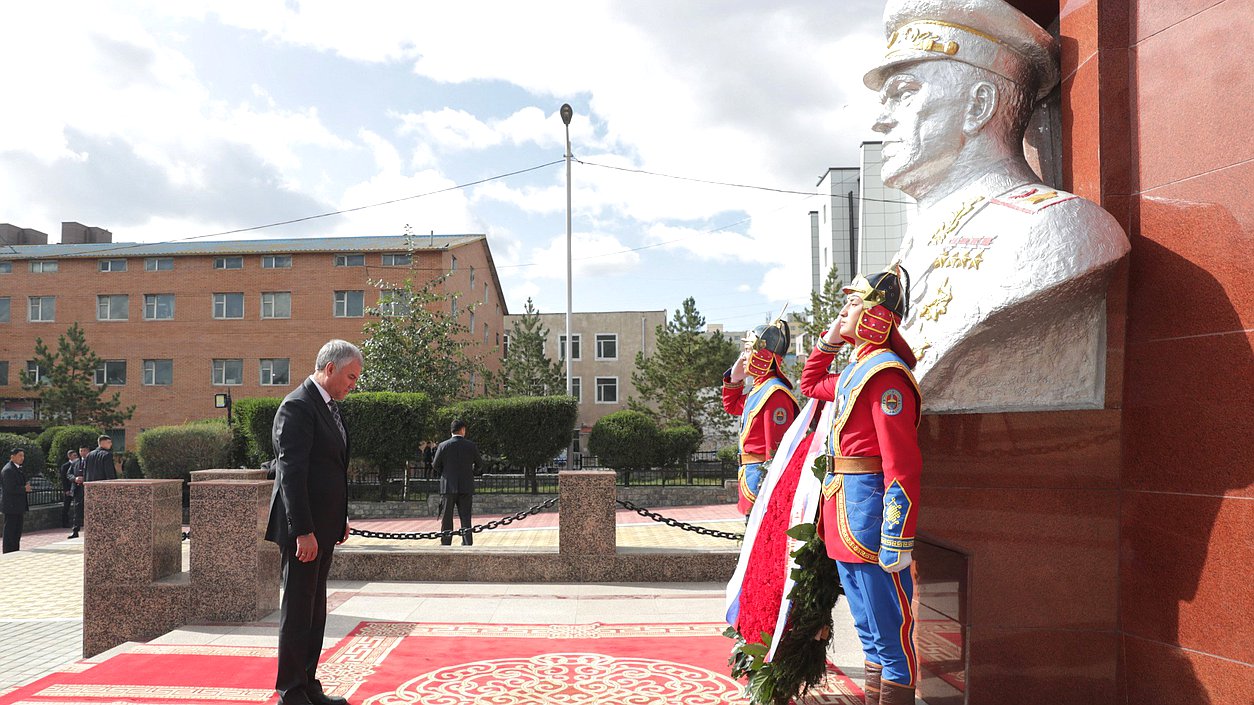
x: 854, y: 466
x: 749, y: 458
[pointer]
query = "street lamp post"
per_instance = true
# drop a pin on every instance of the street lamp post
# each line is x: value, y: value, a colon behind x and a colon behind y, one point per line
x: 567, y: 113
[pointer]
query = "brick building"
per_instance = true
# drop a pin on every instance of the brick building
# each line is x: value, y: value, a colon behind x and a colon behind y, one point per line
x: 177, y: 323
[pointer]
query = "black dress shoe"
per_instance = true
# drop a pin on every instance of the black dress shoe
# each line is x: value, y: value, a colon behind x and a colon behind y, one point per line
x: 73, y: 535
x: 317, y: 697
x: 295, y: 699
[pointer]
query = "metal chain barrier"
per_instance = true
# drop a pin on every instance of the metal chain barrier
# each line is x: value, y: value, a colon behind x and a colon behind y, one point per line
x: 423, y: 535
x: 704, y: 531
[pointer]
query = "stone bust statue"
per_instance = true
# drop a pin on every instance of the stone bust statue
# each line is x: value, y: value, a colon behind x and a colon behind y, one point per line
x: 1008, y: 275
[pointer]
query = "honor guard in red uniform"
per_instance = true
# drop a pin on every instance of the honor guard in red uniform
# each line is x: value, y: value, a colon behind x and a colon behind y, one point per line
x: 871, y: 490
x: 766, y: 409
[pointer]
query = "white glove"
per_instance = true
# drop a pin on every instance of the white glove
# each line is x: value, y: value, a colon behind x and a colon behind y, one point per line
x: 902, y: 563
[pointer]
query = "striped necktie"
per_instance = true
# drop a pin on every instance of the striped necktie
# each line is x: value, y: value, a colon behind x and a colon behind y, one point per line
x: 339, y: 423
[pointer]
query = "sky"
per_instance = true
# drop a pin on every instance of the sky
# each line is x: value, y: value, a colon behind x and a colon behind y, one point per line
x: 165, y: 121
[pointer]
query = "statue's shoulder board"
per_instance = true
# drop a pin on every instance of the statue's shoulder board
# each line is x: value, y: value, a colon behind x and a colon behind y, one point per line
x: 1032, y: 198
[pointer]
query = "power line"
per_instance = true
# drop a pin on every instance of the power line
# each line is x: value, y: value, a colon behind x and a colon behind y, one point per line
x: 354, y: 209
x: 732, y: 185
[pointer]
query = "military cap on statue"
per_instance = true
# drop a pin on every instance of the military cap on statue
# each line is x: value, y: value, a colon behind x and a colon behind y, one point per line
x: 989, y: 34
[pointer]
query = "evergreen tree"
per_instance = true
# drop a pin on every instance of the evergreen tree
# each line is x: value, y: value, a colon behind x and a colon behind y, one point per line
x: 417, y: 342
x: 682, y: 381
x: 525, y: 370
x: 66, y: 384
x: 825, y: 306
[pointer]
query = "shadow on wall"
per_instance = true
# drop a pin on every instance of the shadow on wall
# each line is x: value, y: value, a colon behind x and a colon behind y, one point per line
x: 1187, y: 431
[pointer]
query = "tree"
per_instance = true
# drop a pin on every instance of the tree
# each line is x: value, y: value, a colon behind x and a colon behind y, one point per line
x: 525, y: 370
x: 825, y: 306
x: 417, y: 342
x: 681, y: 382
x: 66, y: 384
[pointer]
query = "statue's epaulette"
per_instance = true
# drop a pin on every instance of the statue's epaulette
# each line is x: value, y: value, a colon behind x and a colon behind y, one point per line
x: 1032, y: 198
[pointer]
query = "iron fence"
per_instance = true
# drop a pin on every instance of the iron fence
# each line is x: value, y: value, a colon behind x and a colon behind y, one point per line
x: 415, y: 483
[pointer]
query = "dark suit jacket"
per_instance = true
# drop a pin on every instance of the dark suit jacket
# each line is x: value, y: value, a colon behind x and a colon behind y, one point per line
x: 78, y: 468
x: 100, y: 466
x: 311, y: 470
x: 67, y: 476
x: 12, y: 489
x: 455, y: 462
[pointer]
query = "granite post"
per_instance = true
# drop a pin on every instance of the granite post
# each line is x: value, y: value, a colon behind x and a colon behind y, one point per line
x: 586, y: 513
x: 133, y: 585
x: 234, y: 570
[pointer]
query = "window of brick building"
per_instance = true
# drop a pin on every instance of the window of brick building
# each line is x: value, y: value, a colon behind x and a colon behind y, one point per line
x: 111, y: 372
x: 37, y: 374
x: 112, y: 265
x: 113, y: 307
x: 397, y: 260
x: 276, y: 262
x: 350, y: 304
x: 276, y: 304
x: 4, y: 373
x: 228, y: 305
x: 158, y: 264
x: 228, y: 263
x: 158, y: 373
x: 346, y: 260
x: 6, y: 267
x: 42, y: 308
x: 228, y: 372
x: 5, y: 305
x: 158, y: 307
x: 44, y: 266
x: 274, y: 372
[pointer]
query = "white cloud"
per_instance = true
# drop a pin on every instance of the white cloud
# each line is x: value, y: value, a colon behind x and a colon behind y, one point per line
x: 594, y: 254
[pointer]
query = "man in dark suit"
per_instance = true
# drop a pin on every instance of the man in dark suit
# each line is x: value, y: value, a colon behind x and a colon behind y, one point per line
x: 99, y: 465
x: 13, y: 489
x: 67, y: 487
x: 309, y: 514
x: 455, y: 462
x: 77, y: 474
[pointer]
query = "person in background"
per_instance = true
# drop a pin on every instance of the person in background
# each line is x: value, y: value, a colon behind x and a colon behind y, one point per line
x: 455, y: 462
x: 77, y: 474
x: 13, y: 489
x: 99, y: 465
x: 67, y: 487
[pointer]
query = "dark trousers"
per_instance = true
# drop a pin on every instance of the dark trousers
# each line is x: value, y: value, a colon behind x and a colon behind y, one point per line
x: 66, y: 501
x: 76, y: 513
x: 462, y: 501
x: 12, y: 532
x: 302, y: 617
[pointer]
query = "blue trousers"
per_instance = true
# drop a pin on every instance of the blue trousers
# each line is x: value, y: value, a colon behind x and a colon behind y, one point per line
x: 880, y: 603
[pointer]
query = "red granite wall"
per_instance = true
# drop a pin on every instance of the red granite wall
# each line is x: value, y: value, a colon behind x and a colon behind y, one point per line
x: 1186, y: 509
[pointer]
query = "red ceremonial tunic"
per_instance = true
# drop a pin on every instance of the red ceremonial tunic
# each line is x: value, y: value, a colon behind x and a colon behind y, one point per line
x: 767, y: 427
x: 872, y: 430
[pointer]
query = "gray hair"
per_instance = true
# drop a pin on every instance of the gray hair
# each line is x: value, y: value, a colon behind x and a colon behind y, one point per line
x: 339, y: 352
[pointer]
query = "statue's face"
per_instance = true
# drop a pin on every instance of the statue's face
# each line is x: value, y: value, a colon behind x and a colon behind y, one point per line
x: 921, y: 119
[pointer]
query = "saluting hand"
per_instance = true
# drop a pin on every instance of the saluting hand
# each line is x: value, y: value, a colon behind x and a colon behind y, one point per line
x: 738, y: 368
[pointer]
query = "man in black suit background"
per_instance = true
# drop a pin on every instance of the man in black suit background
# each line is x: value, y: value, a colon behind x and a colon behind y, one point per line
x: 67, y: 487
x: 99, y: 465
x: 13, y: 489
x: 309, y: 514
x: 455, y: 462
x: 77, y: 475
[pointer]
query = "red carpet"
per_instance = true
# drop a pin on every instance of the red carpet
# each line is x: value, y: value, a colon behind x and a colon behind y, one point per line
x: 396, y: 663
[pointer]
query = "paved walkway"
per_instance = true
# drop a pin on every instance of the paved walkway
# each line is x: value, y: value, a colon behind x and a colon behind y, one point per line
x: 41, y: 595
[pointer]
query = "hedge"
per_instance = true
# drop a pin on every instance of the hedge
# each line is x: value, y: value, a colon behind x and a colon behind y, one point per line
x: 35, y: 457
x: 71, y: 438
x: 173, y: 452
x: 678, y: 443
x: 729, y: 457
x: 44, y: 439
x: 527, y: 431
x: 251, y: 421
x: 386, y: 428
x: 625, y: 440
